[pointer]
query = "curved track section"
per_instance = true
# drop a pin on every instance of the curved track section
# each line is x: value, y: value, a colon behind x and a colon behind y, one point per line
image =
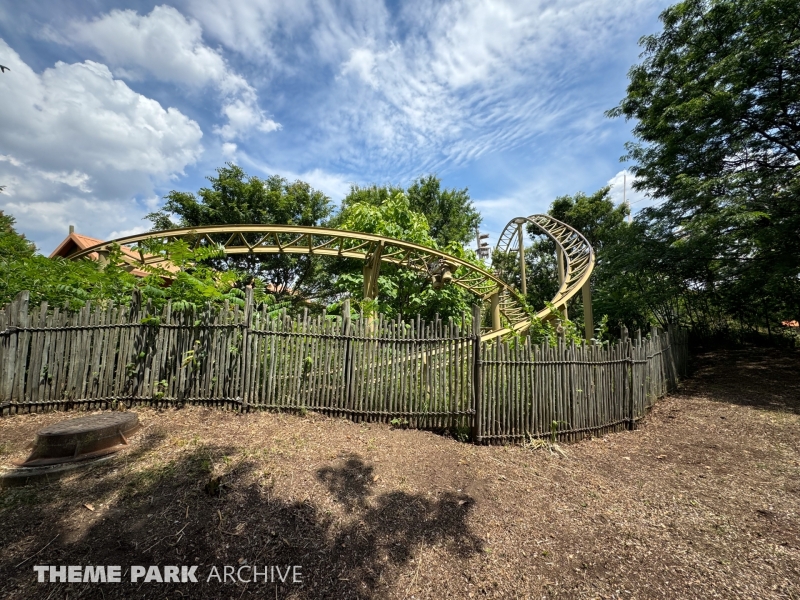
x: 287, y: 239
x: 578, y: 264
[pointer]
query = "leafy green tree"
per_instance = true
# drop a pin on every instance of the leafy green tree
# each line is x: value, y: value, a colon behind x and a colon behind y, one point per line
x: 596, y: 217
x: 450, y: 214
x: 716, y: 104
x: 72, y: 283
x: 234, y: 198
x: 425, y: 214
x: 58, y: 281
x: 402, y: 292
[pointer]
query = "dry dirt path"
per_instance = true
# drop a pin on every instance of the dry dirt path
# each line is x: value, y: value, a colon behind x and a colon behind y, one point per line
x: 703, y: 501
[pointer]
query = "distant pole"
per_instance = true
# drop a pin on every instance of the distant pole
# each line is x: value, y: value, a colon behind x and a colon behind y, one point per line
x: 624, y: 197
x: 483, y: 247
x: 521, y: 243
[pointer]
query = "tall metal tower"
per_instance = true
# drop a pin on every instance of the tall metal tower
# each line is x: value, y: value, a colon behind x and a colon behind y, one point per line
x: 483, y: 247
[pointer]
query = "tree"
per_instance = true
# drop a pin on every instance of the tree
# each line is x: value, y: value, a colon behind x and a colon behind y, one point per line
x: 72, y: 283
x: 58, y: 281
x: 716, y: 100
x: 402, y: 292
x: 234, y: 197
x: 450, y: 214
x: 424, y: 214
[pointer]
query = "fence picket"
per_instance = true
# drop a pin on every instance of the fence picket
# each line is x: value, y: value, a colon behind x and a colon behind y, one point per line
x: 433, y: 375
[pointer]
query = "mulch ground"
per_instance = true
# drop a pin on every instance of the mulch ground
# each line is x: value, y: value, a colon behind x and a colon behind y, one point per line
x: 702, y: 501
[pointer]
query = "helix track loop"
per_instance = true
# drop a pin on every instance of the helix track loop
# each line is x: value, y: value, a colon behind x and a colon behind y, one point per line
x: 578, y: 262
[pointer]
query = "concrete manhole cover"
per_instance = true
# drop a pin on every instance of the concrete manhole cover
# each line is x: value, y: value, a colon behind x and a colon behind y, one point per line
x: 82, y: 438
x: 68, y: 444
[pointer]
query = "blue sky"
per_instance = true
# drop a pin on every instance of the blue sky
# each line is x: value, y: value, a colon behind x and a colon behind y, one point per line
x: 110, y: 105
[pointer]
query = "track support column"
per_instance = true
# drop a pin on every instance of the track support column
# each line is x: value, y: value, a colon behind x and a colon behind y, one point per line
x: 588, y: 316
x: 562, y: 275
x: 372, y: 268
x: 494, y: 301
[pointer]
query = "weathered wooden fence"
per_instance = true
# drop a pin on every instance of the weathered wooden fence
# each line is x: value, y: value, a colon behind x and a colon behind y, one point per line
x: 570, y: 390
x: 427, y: 375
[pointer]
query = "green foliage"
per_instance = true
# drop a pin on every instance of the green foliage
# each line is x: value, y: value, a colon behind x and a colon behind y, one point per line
x: 450, y: 215
x: 234, y: 198
x: 70, y: 283
x: 594, y: 216
x: 716, y: 105
x: 402, y: 292
x: 197, y: 282
x: 60, y: 282
x: 603, y: 224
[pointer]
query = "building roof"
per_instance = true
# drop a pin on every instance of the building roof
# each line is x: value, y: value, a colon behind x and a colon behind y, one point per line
x: 76, y: 242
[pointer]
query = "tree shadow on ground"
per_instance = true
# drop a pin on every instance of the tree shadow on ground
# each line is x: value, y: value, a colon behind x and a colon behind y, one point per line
x: 764, y: 378
x: 168, y: 514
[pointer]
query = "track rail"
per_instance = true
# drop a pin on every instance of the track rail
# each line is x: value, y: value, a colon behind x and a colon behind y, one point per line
x: 319, y: 241
x: 578, y: 265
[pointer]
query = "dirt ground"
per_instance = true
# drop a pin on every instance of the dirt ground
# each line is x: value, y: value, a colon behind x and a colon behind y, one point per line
x: 702, y: 501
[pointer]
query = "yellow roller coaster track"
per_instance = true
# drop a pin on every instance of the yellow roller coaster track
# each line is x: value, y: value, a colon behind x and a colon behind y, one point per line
x: 575, y: 265
x: 288, y: 239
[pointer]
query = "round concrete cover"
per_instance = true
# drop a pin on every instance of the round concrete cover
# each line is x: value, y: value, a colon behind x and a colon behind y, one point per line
x: 81, y: 438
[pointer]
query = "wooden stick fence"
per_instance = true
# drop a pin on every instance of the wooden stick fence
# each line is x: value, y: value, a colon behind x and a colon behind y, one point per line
x: 434, y: 375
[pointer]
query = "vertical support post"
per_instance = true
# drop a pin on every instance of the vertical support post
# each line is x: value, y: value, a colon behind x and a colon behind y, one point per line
x: 366, y: 292
x: 246, y: 325
x: 15, y: 358
x: 494, y: 299
x: 477, y: 376
x: 372, y: 268
x: 562, y: 275
x: 347, y: 361
x: 670, y: 357
x: 522, y: 278
x: 134, y: 316
x: 588, y: 315
x: 629, y: 365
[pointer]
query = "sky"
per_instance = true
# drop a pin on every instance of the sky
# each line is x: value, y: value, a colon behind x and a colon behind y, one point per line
x: 108, y: 106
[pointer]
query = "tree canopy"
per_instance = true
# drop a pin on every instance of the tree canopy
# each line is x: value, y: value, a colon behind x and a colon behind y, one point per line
x: 387, y: 211
x: 716, y: 104
x: 235, y: 197
x: 451, y: 217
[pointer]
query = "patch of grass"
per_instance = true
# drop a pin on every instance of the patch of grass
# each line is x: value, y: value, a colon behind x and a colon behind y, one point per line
x: 148, y: 478
x: 20, y: 497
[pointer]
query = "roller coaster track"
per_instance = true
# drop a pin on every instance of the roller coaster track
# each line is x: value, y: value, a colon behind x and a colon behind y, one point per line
x: 578, y: 262
x: 318, y: 241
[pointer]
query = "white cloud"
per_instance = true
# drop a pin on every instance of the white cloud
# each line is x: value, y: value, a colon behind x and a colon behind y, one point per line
x: 79, y: 142
x: 622, y: 190
x: 431, y: 85
x: 333, y: 185
x: 126, y: 232
x: 283, y: 33
x: 229, y: 150
x: 163, y: 44
x: 169, y: 47
x: 448, y: 82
